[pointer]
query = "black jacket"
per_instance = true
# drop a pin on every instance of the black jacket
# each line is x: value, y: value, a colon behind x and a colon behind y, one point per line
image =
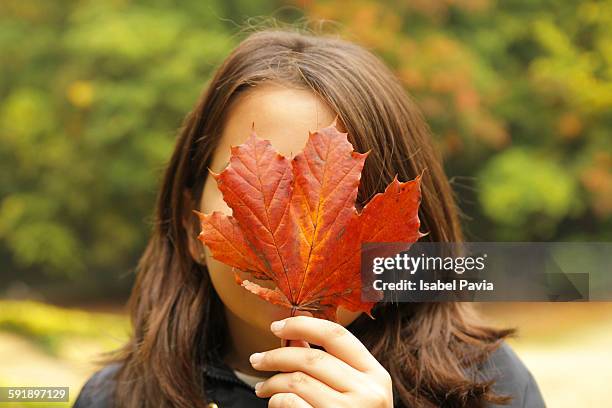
x: 227, y: 391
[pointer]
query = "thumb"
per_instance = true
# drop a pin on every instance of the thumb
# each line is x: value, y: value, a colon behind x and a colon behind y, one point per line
x: 297, y: 343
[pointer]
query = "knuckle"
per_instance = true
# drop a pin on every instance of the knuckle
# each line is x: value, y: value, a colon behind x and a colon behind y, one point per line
x: 313, y: 357
x: 290, y: 401
x: 336, y: 330
x: 296, y: 380
x: 268, y: 358
x: 378, y: 397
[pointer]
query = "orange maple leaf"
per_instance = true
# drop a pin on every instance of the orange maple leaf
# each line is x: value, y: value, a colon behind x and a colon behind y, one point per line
x: 294, y: 222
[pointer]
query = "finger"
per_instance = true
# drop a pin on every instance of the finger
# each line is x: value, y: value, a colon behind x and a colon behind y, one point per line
x: 284, y: 400
x: 296, y: 343
x: 333, y: 337
x: 301, y: 384
x: 316, y: 363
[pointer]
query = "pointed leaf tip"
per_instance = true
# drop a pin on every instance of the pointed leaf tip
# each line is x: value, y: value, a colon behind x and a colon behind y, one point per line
x: 200, y: 215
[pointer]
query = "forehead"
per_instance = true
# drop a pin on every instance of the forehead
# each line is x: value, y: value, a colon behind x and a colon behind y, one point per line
x: 282, y: 115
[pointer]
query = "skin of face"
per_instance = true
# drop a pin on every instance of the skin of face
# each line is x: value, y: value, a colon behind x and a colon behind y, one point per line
x: 284, y: 116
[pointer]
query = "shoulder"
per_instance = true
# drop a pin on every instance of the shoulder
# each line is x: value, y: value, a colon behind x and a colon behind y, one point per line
x: 98, y: 390
x: 512, y: 378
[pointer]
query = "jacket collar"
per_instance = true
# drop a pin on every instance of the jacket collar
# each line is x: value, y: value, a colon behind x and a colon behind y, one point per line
x: 216, y: 369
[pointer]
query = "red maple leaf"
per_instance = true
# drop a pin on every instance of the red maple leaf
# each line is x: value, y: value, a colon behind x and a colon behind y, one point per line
x: 294, y: 222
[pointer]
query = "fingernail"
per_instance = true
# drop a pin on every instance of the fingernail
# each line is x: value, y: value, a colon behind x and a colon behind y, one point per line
x: 258, y: 386
x: 277, y: 326
x: 256, y: 358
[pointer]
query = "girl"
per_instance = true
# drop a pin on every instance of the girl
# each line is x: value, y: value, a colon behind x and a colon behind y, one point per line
x: 200, y: 340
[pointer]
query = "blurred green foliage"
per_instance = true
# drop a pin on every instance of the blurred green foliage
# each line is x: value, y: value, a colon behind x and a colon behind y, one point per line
x: 518, y: 94
x: 92, y: 94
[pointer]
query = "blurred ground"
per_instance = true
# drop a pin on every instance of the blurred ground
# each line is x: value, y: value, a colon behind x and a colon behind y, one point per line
x: 43, y: 345
x: 565, y: 345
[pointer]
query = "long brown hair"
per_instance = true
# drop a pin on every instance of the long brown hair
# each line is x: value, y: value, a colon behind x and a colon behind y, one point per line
x: 176, y: 314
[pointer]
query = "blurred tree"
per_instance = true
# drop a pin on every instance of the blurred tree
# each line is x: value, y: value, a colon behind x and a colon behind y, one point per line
x: 92, y: 95
x: 519, y: 95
